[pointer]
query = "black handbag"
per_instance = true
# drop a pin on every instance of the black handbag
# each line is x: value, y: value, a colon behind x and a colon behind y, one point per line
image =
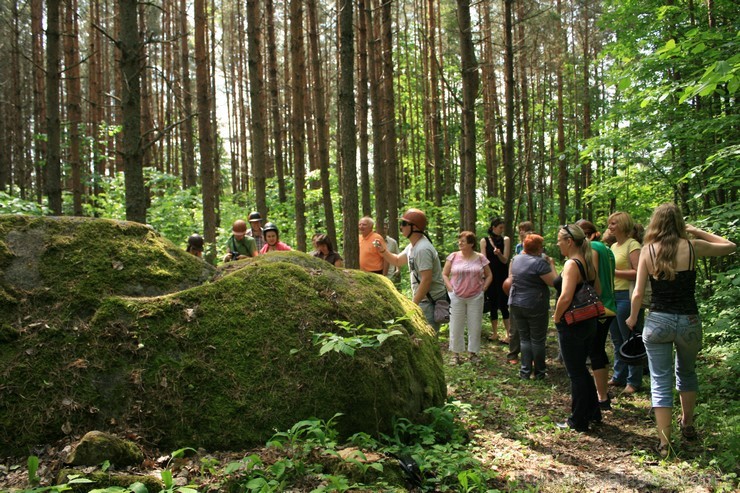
x: 586, y: 303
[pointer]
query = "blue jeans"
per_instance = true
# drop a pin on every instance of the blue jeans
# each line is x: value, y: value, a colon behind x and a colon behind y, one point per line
x: 531, y: 325
x: 575, y: 344
x: 662, y: 332
x: 624, y: 373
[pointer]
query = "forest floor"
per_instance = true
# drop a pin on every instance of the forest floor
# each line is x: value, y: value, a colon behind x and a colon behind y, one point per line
x: 511, y: 425
x: 516, y: 434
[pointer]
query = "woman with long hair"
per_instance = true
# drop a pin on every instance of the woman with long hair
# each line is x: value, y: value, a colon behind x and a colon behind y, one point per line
x: 626, y: 252
x: 325, y: 250
x: 604, y: 259
x: 497, y: 248
x: 467, y: 275
x: 576, y: 340
x: 668, y: 259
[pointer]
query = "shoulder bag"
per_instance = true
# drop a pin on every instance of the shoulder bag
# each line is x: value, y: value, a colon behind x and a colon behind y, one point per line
x: 586, y: 303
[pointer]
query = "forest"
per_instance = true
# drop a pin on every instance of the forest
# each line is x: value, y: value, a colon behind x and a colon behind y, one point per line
x: 187, y: 115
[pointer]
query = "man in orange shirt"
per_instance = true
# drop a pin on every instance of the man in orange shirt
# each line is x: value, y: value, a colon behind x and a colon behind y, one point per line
x: 370, y: 259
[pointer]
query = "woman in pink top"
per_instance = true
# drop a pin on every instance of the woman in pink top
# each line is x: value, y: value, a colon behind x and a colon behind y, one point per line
x: 467, y: 275
x: 272, y: 239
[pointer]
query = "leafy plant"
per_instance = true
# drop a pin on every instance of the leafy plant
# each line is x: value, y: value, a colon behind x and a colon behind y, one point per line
x: 359, y: 337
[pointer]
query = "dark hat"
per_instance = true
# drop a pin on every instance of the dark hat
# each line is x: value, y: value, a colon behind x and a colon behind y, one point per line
x: 255, y: 216
x: 195, y: 243
x: 633, y: 350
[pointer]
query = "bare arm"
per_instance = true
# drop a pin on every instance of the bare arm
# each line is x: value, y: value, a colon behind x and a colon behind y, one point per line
x: 639, y: 291
x: 708, y: 244
x: 446, y: 275
x: 631, y: 273
x: 571, y: 275
x: 488, y: 277
x: 549, y: 278
x: 424, y: 284
x: 390, y: 258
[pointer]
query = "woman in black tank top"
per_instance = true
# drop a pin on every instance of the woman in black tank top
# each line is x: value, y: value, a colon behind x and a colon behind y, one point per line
x: 668, y: 259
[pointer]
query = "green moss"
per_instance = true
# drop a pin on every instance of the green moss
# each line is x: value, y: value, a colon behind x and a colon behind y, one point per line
x: 220, y: 365
x: 105, y: 479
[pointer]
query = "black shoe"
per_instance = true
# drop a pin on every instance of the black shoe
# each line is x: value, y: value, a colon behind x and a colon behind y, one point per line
x: 606, y: 405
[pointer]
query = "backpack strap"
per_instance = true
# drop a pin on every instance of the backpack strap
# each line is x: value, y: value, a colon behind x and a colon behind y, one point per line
x: 580, y: 268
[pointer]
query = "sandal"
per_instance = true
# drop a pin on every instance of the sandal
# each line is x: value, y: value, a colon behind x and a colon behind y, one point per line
x: 688, y: 432
x: 663, y: 450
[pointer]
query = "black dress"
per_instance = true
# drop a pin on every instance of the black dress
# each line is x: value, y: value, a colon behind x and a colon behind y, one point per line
x: 497, y: 299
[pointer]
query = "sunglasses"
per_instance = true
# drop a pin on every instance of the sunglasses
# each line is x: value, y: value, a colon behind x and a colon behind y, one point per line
x: 567, y: 230
x: 404, y: 223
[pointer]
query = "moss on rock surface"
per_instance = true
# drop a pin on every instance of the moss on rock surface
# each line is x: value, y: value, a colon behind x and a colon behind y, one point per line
x: 220, y: 365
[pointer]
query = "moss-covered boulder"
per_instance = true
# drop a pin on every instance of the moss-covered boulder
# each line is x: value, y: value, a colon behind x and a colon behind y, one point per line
x: 97, y: 447
x: 220, y: 365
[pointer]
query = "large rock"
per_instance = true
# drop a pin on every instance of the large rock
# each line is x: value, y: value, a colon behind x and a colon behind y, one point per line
x: 221, y: 365
x: 97, y: 447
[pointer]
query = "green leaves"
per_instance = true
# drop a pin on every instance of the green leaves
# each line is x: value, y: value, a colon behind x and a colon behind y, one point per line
x: 359, y: 337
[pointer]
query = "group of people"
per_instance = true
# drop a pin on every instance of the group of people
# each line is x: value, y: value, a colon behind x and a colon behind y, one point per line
x: 618, y: 266
x: 619, y: 269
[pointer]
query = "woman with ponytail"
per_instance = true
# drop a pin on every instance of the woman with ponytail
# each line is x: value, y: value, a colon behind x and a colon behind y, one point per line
x: 577, y: 339
x: 668, y: 259
x: 604, y: 260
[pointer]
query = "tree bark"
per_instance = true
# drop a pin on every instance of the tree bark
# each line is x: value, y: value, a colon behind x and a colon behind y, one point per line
x: 471, y: 82
x: 74, y: 100
x: 53, y: 122
x: 257, y: 99
x: 298, y: 63
x: 277, y: 122
x: 348, y: 146
x: 205, y: 133
x: 509, y: 96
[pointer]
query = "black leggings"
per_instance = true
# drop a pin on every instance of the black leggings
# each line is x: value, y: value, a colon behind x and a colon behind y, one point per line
x: 598, y: 356
x: 498, y: 301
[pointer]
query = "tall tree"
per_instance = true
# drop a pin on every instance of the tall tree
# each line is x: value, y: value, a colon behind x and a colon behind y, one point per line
x: 562, y: 162
x: 348, y: 142
x: 277, y: 121
x: 509, y: 97
x: 53, y: 173
x: 322, y: 124
x: 205, y: 133
x: 74, y: 101
x: 298, y: 63
x: 389, y: 119
x: 189, y: 176
x: 471, y: 82
x: 257, y: 100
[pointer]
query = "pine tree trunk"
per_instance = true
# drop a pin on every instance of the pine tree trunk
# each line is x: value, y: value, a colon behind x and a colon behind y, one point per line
x: 39, y: 89
x: 74, y: 100
x: 277, y: 122
x: 348, y: 146
x: 298, y: 63
x: 53, y: 123
x: 257, y: 99
x: 205, y: 133
x: 471, y: 82
x: 561, y: 157
x: 363, y: 108
x: 509, y: 96
x: 187, y: 146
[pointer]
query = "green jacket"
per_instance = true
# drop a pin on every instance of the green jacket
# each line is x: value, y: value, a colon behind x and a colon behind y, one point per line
x: 245, y: 246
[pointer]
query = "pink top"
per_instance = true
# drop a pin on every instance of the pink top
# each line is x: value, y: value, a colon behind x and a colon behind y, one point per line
x: 279, y: 247
x: 467, y: 275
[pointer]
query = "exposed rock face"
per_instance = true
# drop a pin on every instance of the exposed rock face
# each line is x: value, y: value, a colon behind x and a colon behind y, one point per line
x: 97, y: 447
x: 220, y: 365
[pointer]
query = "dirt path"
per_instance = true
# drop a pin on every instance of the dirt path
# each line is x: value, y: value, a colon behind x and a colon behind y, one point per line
x: 518, y: 439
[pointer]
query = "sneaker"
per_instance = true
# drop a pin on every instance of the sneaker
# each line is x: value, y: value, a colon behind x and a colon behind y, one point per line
x: 606, y: 405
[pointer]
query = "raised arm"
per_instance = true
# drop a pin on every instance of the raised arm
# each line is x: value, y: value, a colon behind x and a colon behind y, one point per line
x: 709, y: 244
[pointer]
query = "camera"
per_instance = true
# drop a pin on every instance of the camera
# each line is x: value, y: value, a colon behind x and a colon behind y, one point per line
x: 234, y: 255
x: 376, y: 243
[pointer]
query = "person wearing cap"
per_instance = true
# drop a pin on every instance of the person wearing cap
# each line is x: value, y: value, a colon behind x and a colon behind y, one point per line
x: 195, y: 245
x: 272, y: 240
x: 668, y: 259
x: 255, y: 229
x: 425, y: 269
x: 239, y: 244
x: 370, y: 259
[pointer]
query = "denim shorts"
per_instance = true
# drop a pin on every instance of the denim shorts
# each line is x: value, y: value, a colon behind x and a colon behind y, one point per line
x: 663, y: 332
